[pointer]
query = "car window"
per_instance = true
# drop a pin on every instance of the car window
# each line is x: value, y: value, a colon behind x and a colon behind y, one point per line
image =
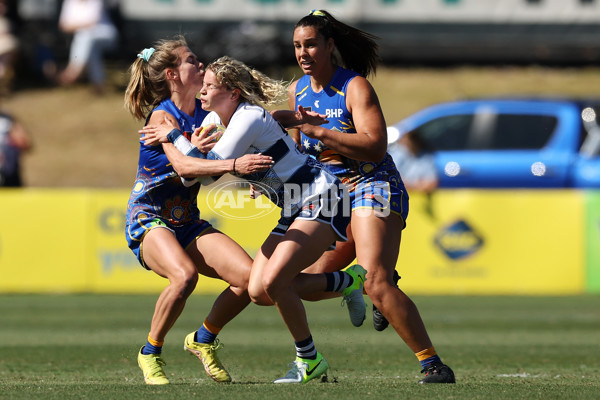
x: 518, y: 131
x: 487, y: 130
x: 446, y: 133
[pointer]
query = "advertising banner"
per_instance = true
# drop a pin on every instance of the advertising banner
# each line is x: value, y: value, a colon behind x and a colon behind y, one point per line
x: 114, y: 268
x: 493, y: 242
x: 44, y: 240
x: 523, y: 242
x: 593, y: 241
x: 360, y: 10
x: 229, y: 208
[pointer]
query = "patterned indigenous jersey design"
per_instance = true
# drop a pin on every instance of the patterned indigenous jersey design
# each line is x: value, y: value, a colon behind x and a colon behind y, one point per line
x: 253, y: 130
x: 331, y: 101
x: 158, y: 193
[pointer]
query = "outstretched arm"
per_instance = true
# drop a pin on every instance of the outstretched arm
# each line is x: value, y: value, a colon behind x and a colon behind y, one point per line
x: 188, y: 161
x: 289, y: 118
x: 192, y: 167
x: 369, y: 143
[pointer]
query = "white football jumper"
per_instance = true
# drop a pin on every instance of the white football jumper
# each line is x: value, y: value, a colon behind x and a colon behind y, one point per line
x: 296, y: 182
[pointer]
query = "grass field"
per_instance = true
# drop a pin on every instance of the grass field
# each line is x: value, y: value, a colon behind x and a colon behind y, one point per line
x: 84, y: 346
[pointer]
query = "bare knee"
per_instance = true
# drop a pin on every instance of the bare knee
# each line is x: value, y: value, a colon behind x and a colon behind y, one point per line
x: 185, y: 283
x: 262, y: 300
x: 259, y: 296
x: 387, y: 297
x: 374, y: 291
x: 379, y: 288
x: 271, y: 288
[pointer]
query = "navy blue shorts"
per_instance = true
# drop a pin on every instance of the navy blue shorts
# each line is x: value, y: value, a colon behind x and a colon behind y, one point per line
x: 330, y: 209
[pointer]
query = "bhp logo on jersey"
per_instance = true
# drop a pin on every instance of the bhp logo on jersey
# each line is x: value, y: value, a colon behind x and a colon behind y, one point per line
x: 232, y: 200
x: 458, y: 240
x: 334, y: 113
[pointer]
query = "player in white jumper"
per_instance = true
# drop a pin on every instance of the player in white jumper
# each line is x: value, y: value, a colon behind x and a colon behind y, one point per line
x: 312, y: 201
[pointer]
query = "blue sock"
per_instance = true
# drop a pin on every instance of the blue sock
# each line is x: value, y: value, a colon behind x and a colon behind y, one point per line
x: 150, y: 349
x: 203, y: 335
x: 431, y: 360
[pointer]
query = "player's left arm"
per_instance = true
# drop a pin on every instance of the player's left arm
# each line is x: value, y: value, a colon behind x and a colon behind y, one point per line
x: 289, y: 118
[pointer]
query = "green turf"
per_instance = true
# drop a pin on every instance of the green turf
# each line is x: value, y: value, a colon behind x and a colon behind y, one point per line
x: 84, y: 346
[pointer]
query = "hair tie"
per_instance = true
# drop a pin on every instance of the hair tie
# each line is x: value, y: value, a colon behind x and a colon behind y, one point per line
x: 146, y: 54
x: 318, y: 13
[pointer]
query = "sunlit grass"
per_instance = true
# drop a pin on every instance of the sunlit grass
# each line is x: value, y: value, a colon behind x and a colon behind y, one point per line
x: 84, y: 346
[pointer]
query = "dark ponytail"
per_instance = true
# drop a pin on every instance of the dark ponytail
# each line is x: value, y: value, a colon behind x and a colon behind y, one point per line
x: 358, y: 49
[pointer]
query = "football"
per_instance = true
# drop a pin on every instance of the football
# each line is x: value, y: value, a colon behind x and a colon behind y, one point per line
x: 217, y: 129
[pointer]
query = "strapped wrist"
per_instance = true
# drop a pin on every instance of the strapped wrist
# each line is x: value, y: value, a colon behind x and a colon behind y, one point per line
x: 173, y: 135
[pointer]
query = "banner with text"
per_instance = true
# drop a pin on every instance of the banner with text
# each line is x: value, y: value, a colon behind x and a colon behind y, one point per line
x: 456, y: 241
x: 494, y: 242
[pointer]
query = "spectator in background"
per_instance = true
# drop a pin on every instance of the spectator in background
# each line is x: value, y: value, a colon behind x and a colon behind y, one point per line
x: 414, y: 161
x: 93, y: 34
x: 8, y: 49
x: 14, y: 140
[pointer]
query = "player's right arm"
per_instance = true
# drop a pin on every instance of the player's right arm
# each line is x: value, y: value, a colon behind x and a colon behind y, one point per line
x: 192, y: 167
x: 187, y: 160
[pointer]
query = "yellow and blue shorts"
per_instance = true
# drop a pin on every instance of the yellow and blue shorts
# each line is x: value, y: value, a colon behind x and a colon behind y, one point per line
x: 380, y: 197
x: 185, y: 234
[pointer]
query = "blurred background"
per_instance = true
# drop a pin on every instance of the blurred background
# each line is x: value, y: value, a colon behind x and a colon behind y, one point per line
x: 435, y: 32
x: 432, y: 51
x: 471, y: 230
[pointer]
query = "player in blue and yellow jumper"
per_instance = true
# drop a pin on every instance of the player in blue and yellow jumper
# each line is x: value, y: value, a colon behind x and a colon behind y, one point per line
x: 353, y: 146
x: 164, y: 228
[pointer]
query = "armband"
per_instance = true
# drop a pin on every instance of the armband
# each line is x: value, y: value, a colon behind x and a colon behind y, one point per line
x: 182, y: 144
x: 173, y: 135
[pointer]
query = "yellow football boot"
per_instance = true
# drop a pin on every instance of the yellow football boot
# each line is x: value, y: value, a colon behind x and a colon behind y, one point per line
x: 152, y: 367
x: 207, y: 353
